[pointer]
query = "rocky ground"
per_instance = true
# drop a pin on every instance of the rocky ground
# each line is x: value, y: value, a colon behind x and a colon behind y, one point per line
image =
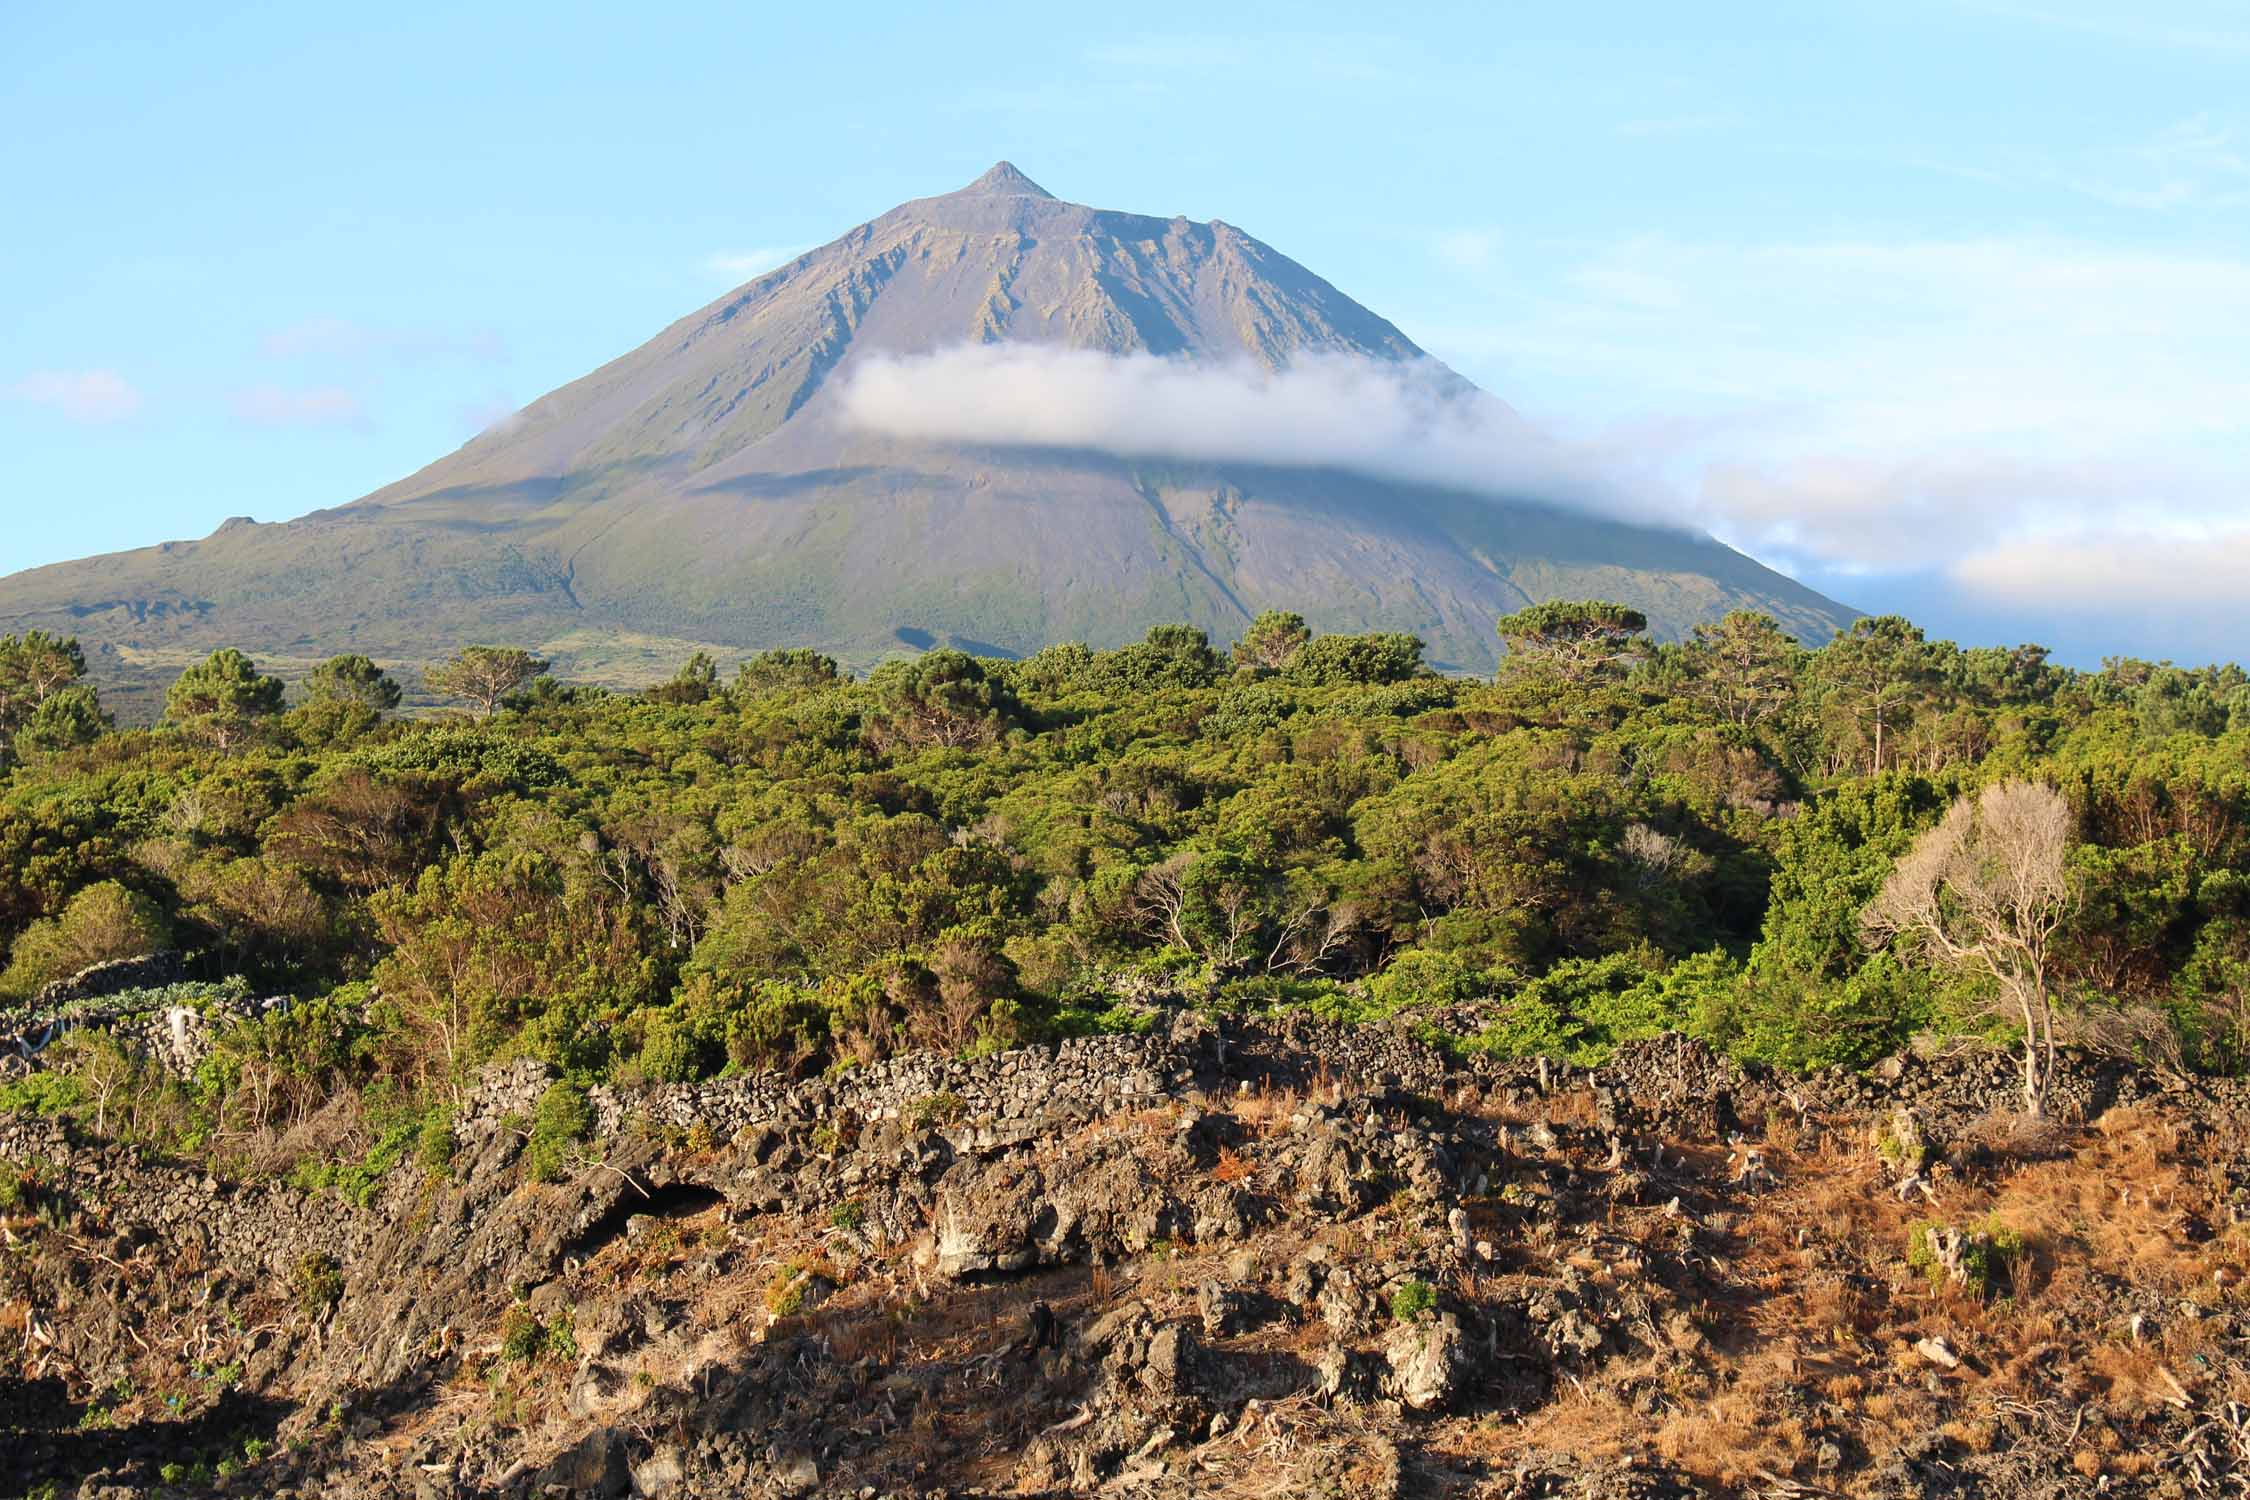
x: 1255, y: 1257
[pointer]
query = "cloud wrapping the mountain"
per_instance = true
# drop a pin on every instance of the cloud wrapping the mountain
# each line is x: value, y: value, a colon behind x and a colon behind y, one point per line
x: 1416, y: 422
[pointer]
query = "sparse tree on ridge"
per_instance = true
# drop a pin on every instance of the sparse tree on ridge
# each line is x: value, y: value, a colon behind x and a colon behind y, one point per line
x: 352, y: 679
x: 1876, y: 675
x: 792, y: 669
x: 345, y: 697
x: 223, y: 699
x: 1744, y: 667
x: 33, y: 667
x: 481, y: 676
x: 1986, y: 891
x: 696, y: 682
x: 1272, y: 640
x: 44, y: 702
x: 1577, y: 639
x: 66, y: 718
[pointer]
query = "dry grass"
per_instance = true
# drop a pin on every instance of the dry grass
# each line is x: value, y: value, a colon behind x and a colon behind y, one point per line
x: 1728, y: 1439
x: 1266, y: 1112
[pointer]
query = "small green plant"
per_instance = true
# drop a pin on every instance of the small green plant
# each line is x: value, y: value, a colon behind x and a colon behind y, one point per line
x: 435, y: 1145
x: 933, y: 1110
x: 791, y: 1286
x: 404, y: 1131
x: 319, y: 1284
x: 849, y: 1214
x: 1980, y: 1259
x: 1413, y: 1301
x: 173, y: 1473
x: 561, y: 1342
x: 826, y: 1138
x: 19, y: 1188
x: 785, y: 1294
x: 521, y: 1337
x: 562, y: 1120
x: 254, y: 1449
x: 525, y: 1340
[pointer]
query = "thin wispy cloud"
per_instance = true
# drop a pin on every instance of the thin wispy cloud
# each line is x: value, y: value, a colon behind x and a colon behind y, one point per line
x: 2216, y: 26
x: 748, y: 265
x: 1469, y: 249
x: 2197, y: 164
x: 343, y: 340
x: 495, y: 413
x: 315, y: 406
x: 89, y: 396
x: 2200, y: 164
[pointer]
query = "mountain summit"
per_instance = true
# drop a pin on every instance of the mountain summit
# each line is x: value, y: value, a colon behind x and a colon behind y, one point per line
x: 1006, y: 182
x: 710, y: 488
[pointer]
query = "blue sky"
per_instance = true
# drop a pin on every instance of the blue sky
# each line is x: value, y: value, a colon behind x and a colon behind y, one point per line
x: 1944, y: 305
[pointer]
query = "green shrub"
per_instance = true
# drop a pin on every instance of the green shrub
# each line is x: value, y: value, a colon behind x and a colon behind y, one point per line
x: 435, y: 1144
x: 561, y: 1341
x: 790, y: 1286
x: 563, y: 1119
x: 1413, y: 1301
x: 102, y: 922
x: 319, y: 1284
x: 1989, y: 1254
x: 43, y: 1093
x: 522, y: 1338
x: 932, y: 1110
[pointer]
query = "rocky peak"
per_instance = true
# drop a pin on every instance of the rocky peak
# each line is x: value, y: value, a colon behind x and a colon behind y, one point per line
x: 1004, y: 181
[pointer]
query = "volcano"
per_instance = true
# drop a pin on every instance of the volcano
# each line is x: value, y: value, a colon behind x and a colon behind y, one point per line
x: 710, y: 489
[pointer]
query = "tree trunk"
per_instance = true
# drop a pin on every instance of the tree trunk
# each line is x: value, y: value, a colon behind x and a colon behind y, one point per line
x: 2034, y: 1075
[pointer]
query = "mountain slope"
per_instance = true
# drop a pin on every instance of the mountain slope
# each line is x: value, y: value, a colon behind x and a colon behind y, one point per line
x: 705, y: 490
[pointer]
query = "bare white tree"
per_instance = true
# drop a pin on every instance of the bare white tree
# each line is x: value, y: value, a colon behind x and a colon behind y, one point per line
x: 1986, y: 891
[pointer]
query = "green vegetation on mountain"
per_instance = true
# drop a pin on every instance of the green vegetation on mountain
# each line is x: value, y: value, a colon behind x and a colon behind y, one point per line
x: 793, y: 868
